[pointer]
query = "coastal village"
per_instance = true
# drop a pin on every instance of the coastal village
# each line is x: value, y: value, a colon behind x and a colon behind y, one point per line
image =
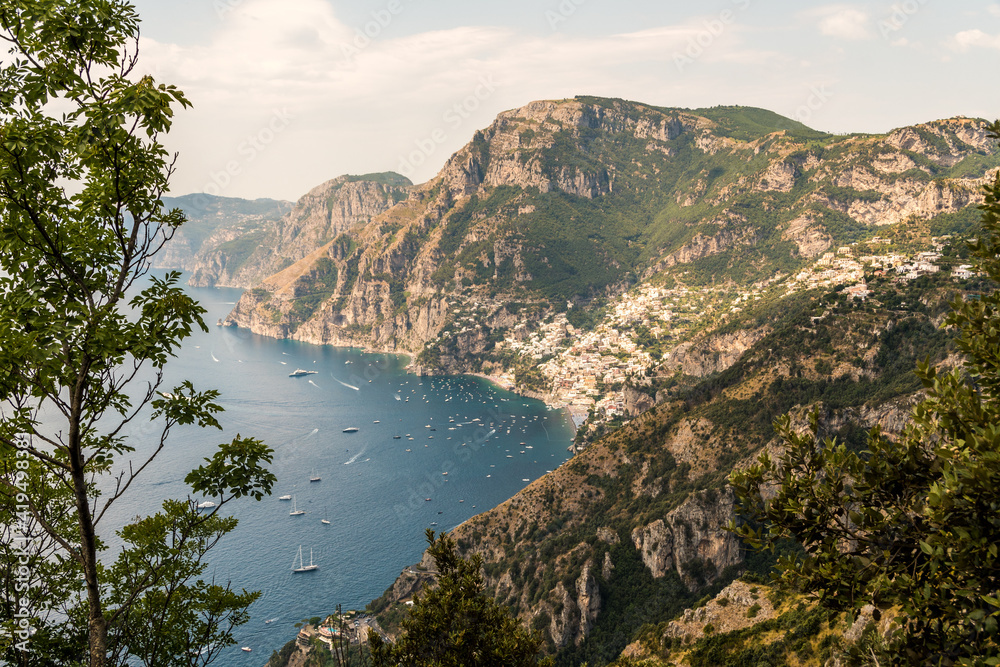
x: 587, y: 373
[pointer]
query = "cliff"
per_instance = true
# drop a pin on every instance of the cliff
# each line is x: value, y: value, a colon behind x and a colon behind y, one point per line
x: 631, y: 531
x: 241, y: 254
x: 573, y: 201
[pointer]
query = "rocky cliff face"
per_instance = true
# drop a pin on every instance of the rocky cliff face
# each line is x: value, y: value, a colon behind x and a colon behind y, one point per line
x: 236, y: 258
x: 712, y: 354
x: 561, y: 200
x: 693, y: 533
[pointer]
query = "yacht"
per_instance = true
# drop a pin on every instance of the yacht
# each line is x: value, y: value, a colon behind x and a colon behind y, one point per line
x: 351, y: 429
x: 206, y: 505
x: 295, y: 510
x: 300, y: 372
x: 315, y: 476
x: 285, y: 497
x: 302, y: 566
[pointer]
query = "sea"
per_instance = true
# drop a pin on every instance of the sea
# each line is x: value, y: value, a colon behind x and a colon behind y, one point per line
x: 428, y: 452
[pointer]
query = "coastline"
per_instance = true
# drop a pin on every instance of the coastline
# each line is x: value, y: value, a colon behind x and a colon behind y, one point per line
x: 409, y: 359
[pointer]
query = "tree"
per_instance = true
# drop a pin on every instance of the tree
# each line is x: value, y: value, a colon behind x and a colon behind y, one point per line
x: 457, y: 624
x: 911, y: 523
x: 84, y: 338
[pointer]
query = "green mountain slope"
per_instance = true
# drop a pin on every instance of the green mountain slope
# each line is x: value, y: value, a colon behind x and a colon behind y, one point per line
x: 677, y: 278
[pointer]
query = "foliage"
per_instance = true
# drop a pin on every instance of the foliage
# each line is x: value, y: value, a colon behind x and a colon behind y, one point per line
x: 629, y: 599
x: 749, y: 123
x: 313, y: 288
x: 911, y: 523
x: 83, y: 343
x: 457, y: 624
x: 386, y: 178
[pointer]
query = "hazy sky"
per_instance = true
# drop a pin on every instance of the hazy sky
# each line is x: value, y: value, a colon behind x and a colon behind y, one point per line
x: 290, y: 93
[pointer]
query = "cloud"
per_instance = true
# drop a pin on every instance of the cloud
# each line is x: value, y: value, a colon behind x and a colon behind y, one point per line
x: 841, y: 21
x: 994, y: 10
x: 358, y: 97
x: 976, y: 38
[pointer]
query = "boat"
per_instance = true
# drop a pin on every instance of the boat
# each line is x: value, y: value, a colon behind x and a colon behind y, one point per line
x: 396, y: 437
x: 271, y: 620
x: 206, y: 505
x: 314, y: 477
x: 302, y: 566
x: 247, y: 649
x: 295, y: 510
x: 351, y: 429
x: 298, y: 372
x: 286, y: 497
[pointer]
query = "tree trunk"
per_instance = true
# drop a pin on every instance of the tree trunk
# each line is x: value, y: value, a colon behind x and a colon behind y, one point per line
x: 97, y: 626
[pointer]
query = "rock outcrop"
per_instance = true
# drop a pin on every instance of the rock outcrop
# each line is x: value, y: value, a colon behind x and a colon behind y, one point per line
x: 235, y: 258
x: 691, y: 539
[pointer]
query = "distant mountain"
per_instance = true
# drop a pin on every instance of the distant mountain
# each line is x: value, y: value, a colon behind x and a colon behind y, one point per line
x: 208, y: 218
x: 237, y: 243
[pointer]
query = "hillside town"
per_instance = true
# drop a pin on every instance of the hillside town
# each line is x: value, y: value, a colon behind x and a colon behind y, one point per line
x: 587, y: 372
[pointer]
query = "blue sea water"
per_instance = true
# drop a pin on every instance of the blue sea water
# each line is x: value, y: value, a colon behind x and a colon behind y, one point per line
x: 379, y: 493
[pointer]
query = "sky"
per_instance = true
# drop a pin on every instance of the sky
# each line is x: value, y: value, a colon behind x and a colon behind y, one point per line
x: 288, y: 94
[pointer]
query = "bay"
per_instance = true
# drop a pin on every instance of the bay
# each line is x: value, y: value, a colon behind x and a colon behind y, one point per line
x: 379, y: 493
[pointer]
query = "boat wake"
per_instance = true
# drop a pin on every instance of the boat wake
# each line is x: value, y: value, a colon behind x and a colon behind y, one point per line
x: 355, y: 457
x: 214, y: 358
x: 314, y: 384
x: 349, y: 386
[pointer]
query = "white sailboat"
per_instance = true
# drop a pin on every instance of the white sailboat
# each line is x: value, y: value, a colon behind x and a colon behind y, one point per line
x: 324, y: 520
x: 314, y: 477
x: 302, y: 566
x: 295, y: 510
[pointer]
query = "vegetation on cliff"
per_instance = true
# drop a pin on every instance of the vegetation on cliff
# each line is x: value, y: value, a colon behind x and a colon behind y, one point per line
x: 905, y: 524
x: 455, y: 623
